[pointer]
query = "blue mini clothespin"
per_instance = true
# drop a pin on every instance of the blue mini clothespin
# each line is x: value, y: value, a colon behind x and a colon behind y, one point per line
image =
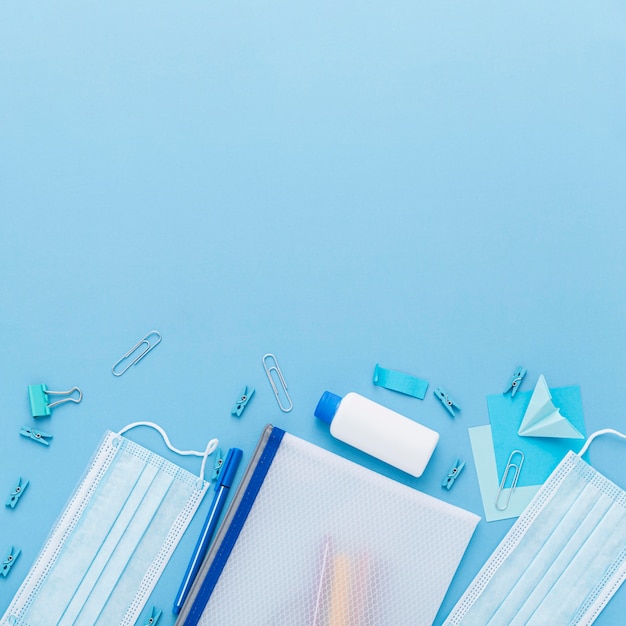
x: 17, y: 492
x: 453, y: 474
x: 219, y: 462
x: 154, y: 617
x: 516, y: 380
x: 9, y: 561
x: 242, y: 402
x: 447, y: 401
x: 36, y: 435
x: 38, y: 398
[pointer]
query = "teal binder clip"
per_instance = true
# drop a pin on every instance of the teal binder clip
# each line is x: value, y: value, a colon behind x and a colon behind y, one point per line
x: 36, y: 435
x: 400, y: 382
x: 38, y: 398
x: 516, y: 380
x: 154, y: 617
x: 242, y: 401
x: 447, y: 401
x: 453, y: 474
x: 17, y: 493
x: 9, y: 561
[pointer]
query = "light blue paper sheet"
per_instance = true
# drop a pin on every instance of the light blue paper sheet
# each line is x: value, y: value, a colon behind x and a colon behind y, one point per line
x: 542, y: 454
x: 489, y: 481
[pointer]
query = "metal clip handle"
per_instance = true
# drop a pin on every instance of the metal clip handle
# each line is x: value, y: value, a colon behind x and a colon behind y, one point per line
x: 64, y: 393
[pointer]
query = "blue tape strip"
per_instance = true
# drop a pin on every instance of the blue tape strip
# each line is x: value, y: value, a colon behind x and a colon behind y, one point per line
x: 401, y: 382
x: 235, y: 528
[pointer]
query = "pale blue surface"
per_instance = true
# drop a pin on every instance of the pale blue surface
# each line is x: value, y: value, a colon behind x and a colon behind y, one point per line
x: 436, y: 187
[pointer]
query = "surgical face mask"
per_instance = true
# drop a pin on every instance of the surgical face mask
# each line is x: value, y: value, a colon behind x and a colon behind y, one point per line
x: 114, y: 539
x: 562, y: 560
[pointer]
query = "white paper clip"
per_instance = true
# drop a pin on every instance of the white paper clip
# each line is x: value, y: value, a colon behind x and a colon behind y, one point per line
x: 145, y: 345
x: 274, y: 368
x: 518, y: 468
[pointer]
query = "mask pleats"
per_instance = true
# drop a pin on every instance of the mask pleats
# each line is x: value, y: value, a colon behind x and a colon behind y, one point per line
x: 564, y: 553
x: 494, y: 603
x: 83, y: 546
x: 147, y: 551
x: 560, y: 563
x: 548, y: 569
x: 113, y: 541
x: 124, y: 536
x: 586, y: 568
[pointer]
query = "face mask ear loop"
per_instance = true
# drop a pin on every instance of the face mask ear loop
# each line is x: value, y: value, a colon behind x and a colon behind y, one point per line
x: 605, y: 431
x: 210, y: 448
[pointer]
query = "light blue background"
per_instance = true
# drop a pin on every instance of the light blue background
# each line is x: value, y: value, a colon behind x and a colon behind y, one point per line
x: 437, y: 187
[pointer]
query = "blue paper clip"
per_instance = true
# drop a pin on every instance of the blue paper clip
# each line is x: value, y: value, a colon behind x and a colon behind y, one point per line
x: 453, y: 474
x: 447, y: 401
x: 242, y: 402
x: 400, y: 382
x: 217, y: 467
x: 516, y: 380
x: 36, y: 435
x: 9, y: 561
x: 38, y: 398
x: 154, y: 617
x: 17, y: 492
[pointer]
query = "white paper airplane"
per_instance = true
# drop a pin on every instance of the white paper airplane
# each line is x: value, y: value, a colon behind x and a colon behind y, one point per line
x: 543, y: 419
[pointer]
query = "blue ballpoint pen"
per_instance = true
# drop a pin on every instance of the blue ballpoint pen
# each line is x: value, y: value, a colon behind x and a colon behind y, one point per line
x: 222, y: 487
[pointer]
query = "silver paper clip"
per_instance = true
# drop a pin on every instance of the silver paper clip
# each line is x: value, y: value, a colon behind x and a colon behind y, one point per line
x: 145, y: 345
x: 518, y: 468
x: 274, y: 368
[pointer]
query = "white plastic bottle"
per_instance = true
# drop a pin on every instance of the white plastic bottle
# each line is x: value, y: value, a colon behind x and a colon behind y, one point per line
x: 379, y: 431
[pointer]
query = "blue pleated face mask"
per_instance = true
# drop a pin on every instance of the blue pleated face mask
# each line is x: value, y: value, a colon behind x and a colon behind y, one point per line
x: 112, y: 542
x: 562, y: 560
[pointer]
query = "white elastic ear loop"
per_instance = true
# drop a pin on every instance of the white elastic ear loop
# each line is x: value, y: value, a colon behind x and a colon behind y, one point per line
x: 605, y: 431
x: 210, y: 448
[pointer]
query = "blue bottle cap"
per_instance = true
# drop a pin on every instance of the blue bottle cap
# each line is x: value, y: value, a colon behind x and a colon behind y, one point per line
x: 327, y: 406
